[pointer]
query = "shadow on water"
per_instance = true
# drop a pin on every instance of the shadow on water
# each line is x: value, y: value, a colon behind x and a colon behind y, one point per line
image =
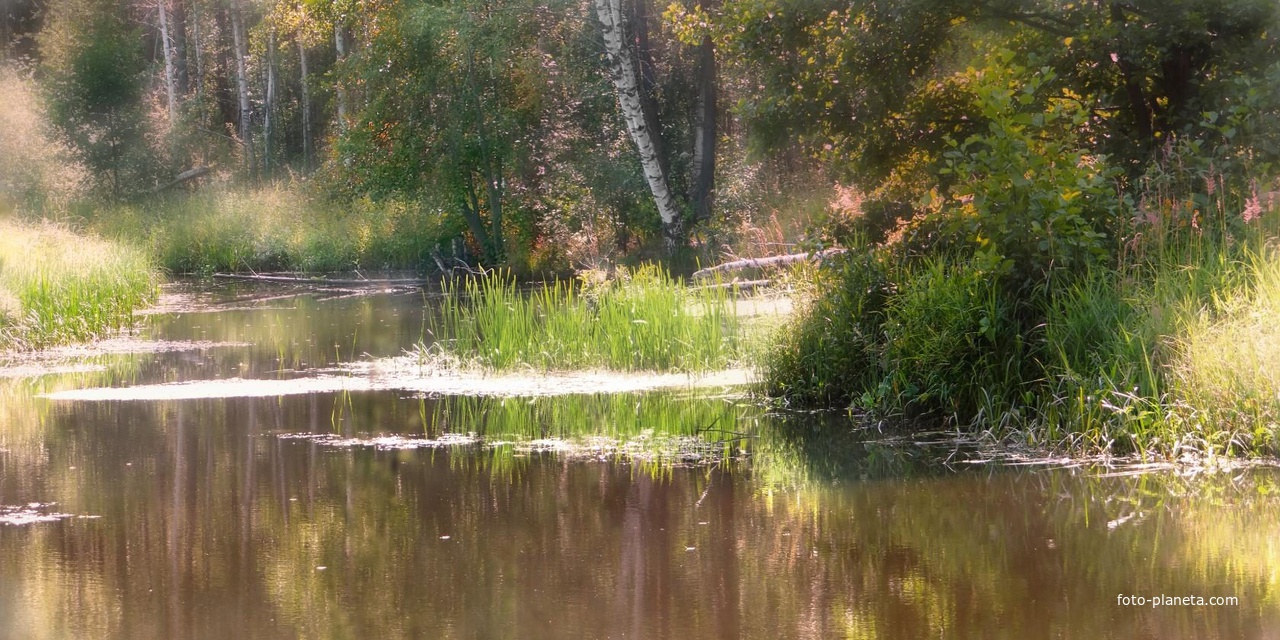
x: 655, y: 515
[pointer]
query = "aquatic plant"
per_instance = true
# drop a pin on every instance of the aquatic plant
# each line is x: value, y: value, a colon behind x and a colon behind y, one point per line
x: 641, y: 320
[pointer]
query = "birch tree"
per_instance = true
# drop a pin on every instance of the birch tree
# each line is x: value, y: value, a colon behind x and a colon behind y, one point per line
x: 623, y: 73
x: 241, y: 53
x: 166, y: 44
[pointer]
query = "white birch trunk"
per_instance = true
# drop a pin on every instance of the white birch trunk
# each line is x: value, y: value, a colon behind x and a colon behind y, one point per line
x: 340, y: 46
x: 166, y: 42
x: 269, y: 105
x: 242, y: 83
x: 624, y: 79
x: 306, y: 105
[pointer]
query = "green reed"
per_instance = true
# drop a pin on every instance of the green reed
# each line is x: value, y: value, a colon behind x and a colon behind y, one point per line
x: 641, y: 320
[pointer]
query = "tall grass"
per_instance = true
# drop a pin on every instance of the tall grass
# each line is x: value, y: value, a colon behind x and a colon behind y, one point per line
x: 643, y: 320
x: 274, y: 228
x: 58, y: 286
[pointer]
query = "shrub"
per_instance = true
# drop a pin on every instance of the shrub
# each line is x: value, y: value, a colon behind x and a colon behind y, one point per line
x: 949, y: 334
x: 829, y: 354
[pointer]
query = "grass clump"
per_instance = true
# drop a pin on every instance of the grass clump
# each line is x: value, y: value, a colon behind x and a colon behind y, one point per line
x: 58, y: 286
x: 639, y: 320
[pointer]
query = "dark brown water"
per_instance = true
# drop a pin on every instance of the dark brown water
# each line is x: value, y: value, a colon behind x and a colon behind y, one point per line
x: 206, y: 523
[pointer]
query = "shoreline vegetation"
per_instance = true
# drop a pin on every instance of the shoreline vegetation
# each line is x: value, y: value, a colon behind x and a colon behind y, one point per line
x: 59, y: 286
x: 1171, y: 349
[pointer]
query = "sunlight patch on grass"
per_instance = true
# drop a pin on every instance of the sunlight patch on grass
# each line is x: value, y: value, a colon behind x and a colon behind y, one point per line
x: 58, y: 286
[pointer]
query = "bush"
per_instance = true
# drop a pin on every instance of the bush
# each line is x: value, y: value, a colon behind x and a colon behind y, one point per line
x: 949, y: 335
x: 829, y: 354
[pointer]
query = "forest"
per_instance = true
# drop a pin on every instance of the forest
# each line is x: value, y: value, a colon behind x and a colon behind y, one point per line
x: 1050, y: 221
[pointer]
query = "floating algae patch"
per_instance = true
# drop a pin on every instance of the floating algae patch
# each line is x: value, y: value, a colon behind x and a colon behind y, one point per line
x: 385, y: 442
x: 646, y: 427
x: 225, y: 388
x: 663, y: 450
x: 81, y: 358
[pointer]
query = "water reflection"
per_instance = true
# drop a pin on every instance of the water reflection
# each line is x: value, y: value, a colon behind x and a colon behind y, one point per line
x: 214, y: 526
x: 211, y: 525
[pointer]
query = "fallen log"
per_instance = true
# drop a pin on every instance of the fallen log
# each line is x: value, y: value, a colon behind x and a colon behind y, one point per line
x: 389, y: 282
x: 739, y: 285
x: 189, y: 174
x: 760, y: 263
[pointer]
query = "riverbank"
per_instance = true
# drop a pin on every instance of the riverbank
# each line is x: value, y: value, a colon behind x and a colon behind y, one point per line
x: 60, y: 286
x: 1171, y: 348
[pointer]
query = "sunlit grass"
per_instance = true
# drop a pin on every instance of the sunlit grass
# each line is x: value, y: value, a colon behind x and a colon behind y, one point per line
x: 275, y: 228
x: 58, y: 286
x: 643, y: 320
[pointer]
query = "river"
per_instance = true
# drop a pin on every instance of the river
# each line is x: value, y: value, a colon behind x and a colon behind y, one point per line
x: 384, y: 512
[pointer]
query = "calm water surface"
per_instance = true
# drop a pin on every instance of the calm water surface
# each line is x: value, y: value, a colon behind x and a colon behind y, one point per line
x: 675, y: 516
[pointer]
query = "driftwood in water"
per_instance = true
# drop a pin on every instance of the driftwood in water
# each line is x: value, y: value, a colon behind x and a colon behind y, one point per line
x: 738, y: 285
x: 391, y: 282
x: 189, y: 174
x: 760, y: 263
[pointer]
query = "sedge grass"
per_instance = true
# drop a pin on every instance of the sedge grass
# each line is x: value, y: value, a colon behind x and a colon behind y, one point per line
x: 643, y: 320
x: 58, y: 286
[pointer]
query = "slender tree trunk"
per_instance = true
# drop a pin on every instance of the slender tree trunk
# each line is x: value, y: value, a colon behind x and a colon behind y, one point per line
x: 471, y: 213
x: 492, y: 167
x: 306, y: 105
x: 198, y: 54
x: 1139, y: 109
x: 624, y: 80
x: 242, y: 84
x: 166, y: 43
x: 268, y: 109
x: 704, y: 142
x: 178, y: 31
x: 647, y: 71
x: 340, y: 45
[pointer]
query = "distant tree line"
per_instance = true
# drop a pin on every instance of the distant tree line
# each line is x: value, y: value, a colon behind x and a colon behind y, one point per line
x: 513, y: 115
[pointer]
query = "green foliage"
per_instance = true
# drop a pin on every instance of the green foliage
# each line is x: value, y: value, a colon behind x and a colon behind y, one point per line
x: 457, y: 114
x: 830, y: 352
x: 1165, y: 352
x: 948, y: 335
x: 642, y: 320
x: 876, y: 88
x: 94, y: 88
x: 1022, y: 196
x: 37, y: 172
